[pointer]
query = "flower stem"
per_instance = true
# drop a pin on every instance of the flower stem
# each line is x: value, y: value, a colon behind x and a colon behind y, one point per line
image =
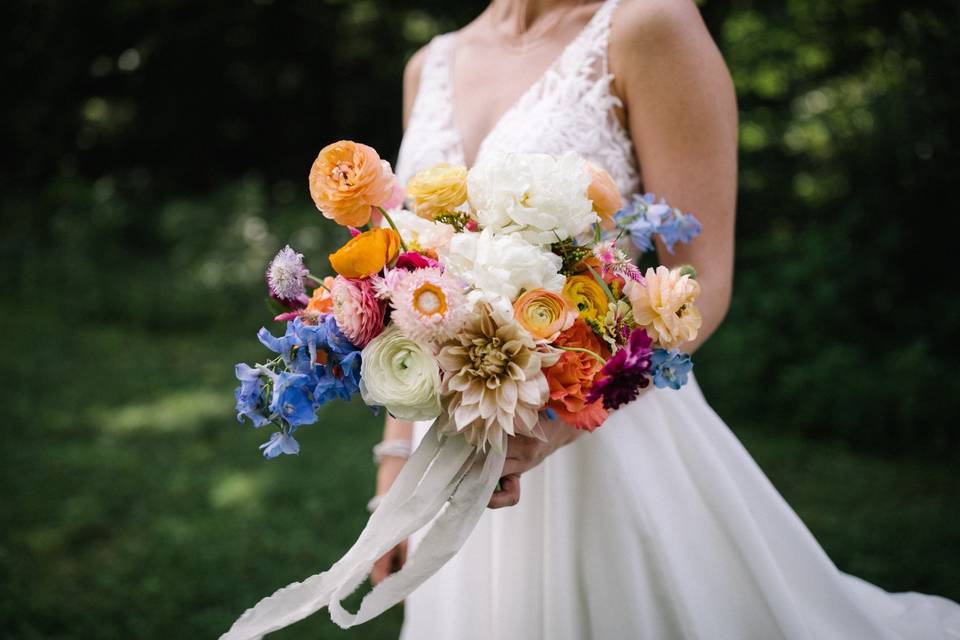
x: 603, y: 284
x: 318, y: 281
x: 587, y: 351
x: 394, y: 227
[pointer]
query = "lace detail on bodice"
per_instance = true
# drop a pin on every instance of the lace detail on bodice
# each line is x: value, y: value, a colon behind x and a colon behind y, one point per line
x: 570, y: 107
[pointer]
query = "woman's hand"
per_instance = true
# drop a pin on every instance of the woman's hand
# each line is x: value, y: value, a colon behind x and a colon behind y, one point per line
x: 389, y: 563
x: 524, y: 453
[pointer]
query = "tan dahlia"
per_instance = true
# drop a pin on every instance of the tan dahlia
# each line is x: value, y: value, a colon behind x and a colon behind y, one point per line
x: 492, y: 380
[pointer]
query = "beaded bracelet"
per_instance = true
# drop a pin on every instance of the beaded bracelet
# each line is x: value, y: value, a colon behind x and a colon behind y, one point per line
x: 373, y: 503
x: 395, y: 448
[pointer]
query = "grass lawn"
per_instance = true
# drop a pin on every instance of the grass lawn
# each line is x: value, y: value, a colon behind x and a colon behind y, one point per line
x: 135, y: 506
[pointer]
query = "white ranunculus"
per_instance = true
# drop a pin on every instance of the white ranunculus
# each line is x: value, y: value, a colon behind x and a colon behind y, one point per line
x: 502, y: 265
x: 541, y: 197
x: 399, y: 374
x: 420, y: 233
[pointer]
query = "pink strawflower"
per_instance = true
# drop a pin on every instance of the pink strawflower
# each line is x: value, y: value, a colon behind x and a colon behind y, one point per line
x: 358, y: 312
x: 428, y: 305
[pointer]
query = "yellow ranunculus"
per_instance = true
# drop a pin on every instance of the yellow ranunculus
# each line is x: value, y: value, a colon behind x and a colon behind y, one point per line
x: 438, y: 189
x: 587, y: 296
x: 664, y: 307
x: 366, y: 254
x: 544, y: 314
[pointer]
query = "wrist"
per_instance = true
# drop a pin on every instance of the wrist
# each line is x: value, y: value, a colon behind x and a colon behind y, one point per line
x: 387, y: 472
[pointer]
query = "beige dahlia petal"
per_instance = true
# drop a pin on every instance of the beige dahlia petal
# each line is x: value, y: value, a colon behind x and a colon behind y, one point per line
x: 515, y: 372
x: 507, y: 396
x: 465, y: 414
x: 488, y: 403
x: 473, y: 393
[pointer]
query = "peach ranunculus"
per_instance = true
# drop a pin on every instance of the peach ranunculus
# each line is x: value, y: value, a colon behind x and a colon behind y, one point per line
x: 544, y: 314
x: 664, y: 307
x: 587, y: 296
x: 347, y: 180
x: 366, y: 254
x: 603, y: 193
x: 571, y: 378
x: 439, y: 189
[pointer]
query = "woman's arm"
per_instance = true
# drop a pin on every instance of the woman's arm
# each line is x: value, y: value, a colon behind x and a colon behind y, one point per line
x: 394, y: 429
x: 681, y: 113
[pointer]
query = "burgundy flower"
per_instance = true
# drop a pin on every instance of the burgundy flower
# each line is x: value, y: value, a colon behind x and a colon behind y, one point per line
x: 411, y: 261
x: 625, y: 373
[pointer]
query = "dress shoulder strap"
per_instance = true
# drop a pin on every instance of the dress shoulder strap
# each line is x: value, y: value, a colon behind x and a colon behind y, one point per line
x: 431, y: 116
x: 589, y: 50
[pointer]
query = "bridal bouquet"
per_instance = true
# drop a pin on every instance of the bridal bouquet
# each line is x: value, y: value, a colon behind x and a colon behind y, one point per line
x: 500, y: 295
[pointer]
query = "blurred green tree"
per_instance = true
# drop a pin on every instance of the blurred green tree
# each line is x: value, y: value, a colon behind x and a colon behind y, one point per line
x: 167, y: 141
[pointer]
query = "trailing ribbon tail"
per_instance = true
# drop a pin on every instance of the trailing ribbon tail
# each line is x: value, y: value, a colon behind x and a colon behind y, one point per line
x: 440, y: 470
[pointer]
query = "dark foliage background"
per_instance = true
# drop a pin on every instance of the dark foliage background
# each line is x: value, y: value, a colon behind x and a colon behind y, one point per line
x: 156, y: 155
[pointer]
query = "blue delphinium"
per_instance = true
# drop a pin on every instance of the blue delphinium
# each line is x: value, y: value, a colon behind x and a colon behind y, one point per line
x: 670, y: 368
x: 251, y: 402
x: 681, y: 227
x: 317, y: 364
x: 293, y: 398
x: 284, y: 344
x: 279, y: 443
x: 644, y: 217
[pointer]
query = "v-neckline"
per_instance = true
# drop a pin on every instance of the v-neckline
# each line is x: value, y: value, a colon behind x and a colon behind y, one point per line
x: 522, y: 97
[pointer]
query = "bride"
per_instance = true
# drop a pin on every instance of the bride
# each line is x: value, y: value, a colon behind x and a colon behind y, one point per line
x: 659, y: 524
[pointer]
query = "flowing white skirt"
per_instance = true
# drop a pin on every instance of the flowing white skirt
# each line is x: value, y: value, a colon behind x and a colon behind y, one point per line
x: 658, y: 525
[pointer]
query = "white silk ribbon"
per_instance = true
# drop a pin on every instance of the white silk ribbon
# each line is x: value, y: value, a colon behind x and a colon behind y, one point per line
x: 442, y: 472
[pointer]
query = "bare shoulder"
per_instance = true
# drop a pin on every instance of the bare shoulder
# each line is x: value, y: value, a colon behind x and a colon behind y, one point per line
x: 658, y: 45
x: 648, y: 24
x: 411, y: 81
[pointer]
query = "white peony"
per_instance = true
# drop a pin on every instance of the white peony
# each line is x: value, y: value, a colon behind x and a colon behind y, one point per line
x: 399, y: 374
x: 501, y: 266
x: 541, y: 197
x: 418, y: 232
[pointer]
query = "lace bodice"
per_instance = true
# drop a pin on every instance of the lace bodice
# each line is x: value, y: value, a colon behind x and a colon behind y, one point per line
x: 570, y: 107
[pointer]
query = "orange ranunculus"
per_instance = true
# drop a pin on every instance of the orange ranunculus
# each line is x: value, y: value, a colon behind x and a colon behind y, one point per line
x: 603, y: 193
x: 544, y: 314
x: 366, y: 254
x: 320, y: 300
x: 572, y: 376
x: 347, y: 179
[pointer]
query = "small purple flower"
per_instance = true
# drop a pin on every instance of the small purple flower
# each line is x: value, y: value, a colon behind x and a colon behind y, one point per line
x: 280, y: 443
x: 625, y: 373
x: 670, y: 368
x: 285, y: 275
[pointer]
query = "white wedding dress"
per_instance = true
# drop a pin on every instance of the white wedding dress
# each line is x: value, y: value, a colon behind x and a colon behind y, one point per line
x: 658, y: 525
